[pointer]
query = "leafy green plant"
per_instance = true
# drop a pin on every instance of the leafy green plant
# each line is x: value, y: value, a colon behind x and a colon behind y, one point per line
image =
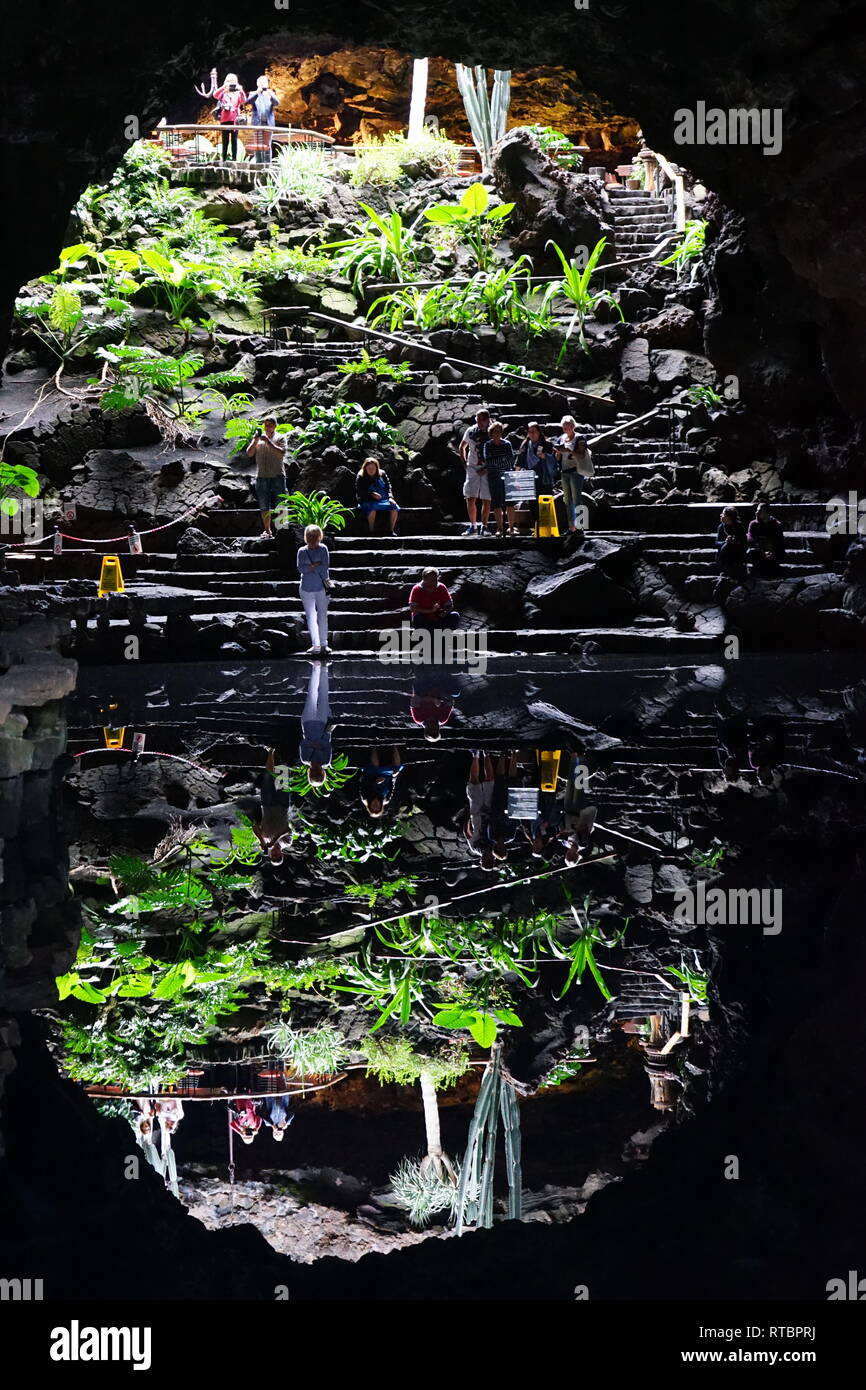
x: 478, y: 225
x: 496, y: 297
x: 386, y: 162
x: 704, y: 395
x: 376, y: 366
x: 312, y: 1052
x: 575, y: 287
x: 179, y: 285
x: 521, y: 371
x: 16, y: 478
x: 708, y: 859
x: 230, y: 403
x: 300, y: 173
x: 690, y: 248
x: 695, y: 981
x: 63, y: 324
x: 354, y: 843
x: 348, y: 426
x: 563, y: 1071
x: 312, y: 509
x: 385, y: 247
x: 557, y: 145
x: 143, y: 376
x: 271, y: 265
x: 482, y: 1025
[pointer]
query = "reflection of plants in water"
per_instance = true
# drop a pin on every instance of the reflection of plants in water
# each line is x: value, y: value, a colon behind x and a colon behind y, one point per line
x: 474, y: 1205
x: 708, y: 859
x: 138, y: 1042
x: 562, y: 1072
x: 297, y: 779
x: 392, y: 1058
x: 429, y: 1184
x: 391, y: 986
x: 356, y: 843
x: 482, y: 1025
x: 312, y: 1051
x: 374, y: 891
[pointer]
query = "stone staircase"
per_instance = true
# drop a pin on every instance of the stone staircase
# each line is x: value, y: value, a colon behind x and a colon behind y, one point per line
x: 640, y: 220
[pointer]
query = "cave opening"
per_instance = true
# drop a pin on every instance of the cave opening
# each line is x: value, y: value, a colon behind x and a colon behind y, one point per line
x: 370, y: 903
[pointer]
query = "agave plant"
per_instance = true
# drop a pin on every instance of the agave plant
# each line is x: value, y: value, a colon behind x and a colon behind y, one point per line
x: 487, y: 115
x: 575, y: 287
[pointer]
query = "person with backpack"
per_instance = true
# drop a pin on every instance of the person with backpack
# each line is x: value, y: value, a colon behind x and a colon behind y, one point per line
x: 230, y: 101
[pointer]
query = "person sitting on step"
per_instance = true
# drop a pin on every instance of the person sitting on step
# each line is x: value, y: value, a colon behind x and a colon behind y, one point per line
x: 374, y: 494
x: 476, y: 488
x: 498, y: 457
x: 378, y: 780
x: 731, y: 544
x: 766, y: 542
x: 431, y: 606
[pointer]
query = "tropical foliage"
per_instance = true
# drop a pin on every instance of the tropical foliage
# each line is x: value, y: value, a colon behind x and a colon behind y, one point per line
x: 477, y: 225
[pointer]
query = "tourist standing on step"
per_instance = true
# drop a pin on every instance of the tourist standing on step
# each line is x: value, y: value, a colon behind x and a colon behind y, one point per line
x: 169, y: 1114
x: 766, y: 542
x: 264, y: 102
x: 731, y: 544
x: 479, y: 795
x: 316, y: 727
x: 576, y: 463
x: 498, y: 458
x: 230, y: 102
x: 313, y: 561
x: 269, y: 451
x: 476, y: 489
x: 536, y: 452
x: 578, y: 814
x: 374, y: 494
x: 430, y: 603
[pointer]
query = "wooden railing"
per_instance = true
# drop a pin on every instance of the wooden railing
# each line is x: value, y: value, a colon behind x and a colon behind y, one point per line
x: 679, y: 190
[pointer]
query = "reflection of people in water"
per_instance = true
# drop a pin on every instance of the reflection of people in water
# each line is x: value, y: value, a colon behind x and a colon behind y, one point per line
x: 169, y: 1114
x: 578, y: 814
x: 733, y: 738
x: 378, y: 780
x: 244, y: 1119
x: 142, y: 1119
x: 543, y: 832
x: 767, y: 749
x: 479, y: 795
x: 431, y: 705
x: 272, y: 824
x: 276, y: 1113
x: 501, y: 831
x: 316, y: 726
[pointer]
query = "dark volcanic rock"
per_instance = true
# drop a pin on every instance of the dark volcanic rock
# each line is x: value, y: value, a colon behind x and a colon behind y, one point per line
x: 550, y: 203
x: 581, y: 597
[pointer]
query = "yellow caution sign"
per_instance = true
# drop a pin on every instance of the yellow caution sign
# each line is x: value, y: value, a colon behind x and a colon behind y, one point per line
x: 114, y: 737
x: 547, y: 524
x: 548, y: 760
x: 110, y: 576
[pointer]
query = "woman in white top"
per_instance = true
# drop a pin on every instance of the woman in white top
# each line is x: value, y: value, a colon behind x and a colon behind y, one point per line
x: 576, y: 463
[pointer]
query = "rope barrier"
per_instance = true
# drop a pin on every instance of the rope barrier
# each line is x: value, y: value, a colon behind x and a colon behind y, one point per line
x: 114, y: 540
